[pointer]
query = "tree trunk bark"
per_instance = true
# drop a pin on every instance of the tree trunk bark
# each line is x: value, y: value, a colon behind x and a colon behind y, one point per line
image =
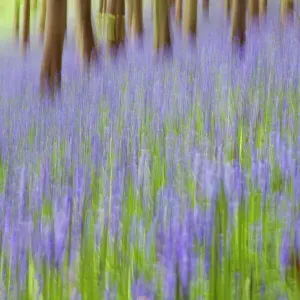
x: 43, y: 19
x: 137, y: 19
x: 227, y: 8
x: 26, y: 25
x: 253, y: 9
x: 50, y: 76
x: 178, y: 11
x: 84, y: 32
x: 238, y: 22
x: 190, y: 18
x: 17, y: 19
x: 205, y: 8
x: 115, y: 25
x: 162, y: 37
x: 263, y: 8
x: 287, y: 11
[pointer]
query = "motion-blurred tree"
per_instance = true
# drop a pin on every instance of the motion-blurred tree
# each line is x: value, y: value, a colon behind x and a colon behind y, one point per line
x: 115, y: 25
x: 263, y: 8
x: 26, y: 25
x: 137, y: 19
x: 190, y: 19
x: 253, y: 6
x: 50, y: 76
x: 238, y: 21
x: 287, y: 10
x: 227, y: 6
x: 178, y: 11
x: 84, y: 32
x: 162, y: 36
x: 17, y: 19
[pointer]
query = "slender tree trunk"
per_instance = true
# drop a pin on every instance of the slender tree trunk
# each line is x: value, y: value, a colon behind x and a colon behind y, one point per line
x: 238, y: 22
x: 137, y: 19
x: 116, y: 25
x: 43, y: 18
x: 190, y: 18
x: 205, y: 7
x: 227, y: 8
x: 84, y: 32
x: 178, y: 11
x: 263, y: 8
x: 287, y: 10
x: 50, y: 76
x: 253, y: 9
x: 162, y: 37
x: 17, y: 19
x: 26, y: 25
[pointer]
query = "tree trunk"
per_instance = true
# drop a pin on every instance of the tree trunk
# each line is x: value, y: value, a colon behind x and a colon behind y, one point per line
x: 17, y: 19
x: 263, y: 8
x: 115, y: 25
x: 43, y: 18
x: 26, y: 25
x: 162, y: 37
x: 238, y: 22
x: 50, y: 76
x: 84, y: 32
x: 137, y: 19
x: 227, y: 8
x: 178, y: 11
x: 287, y: 10
x: 190, y: 18
x: 253, y: 9
x: 205, y: 7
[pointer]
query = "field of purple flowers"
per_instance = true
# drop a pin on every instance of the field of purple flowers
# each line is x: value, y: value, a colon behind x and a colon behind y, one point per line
x: 175, y: 179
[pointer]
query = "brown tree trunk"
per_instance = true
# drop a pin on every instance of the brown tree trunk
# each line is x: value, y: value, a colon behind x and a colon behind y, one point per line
x: 115, y: 25
x: 26, y: 25
x: 205, y: 7
x: 17, y: 19
x: 178, y: 11
x: 227, y: 8
x: 43, y: 18
x: 162, y: 37
x: 253, y: 9
x: 238, y: 22
x: 137, y: 19
x: 84, y: 32
x: 50, y: 76
x: 190, y: 18
x: 287, y: 10
x: 263, y: 8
